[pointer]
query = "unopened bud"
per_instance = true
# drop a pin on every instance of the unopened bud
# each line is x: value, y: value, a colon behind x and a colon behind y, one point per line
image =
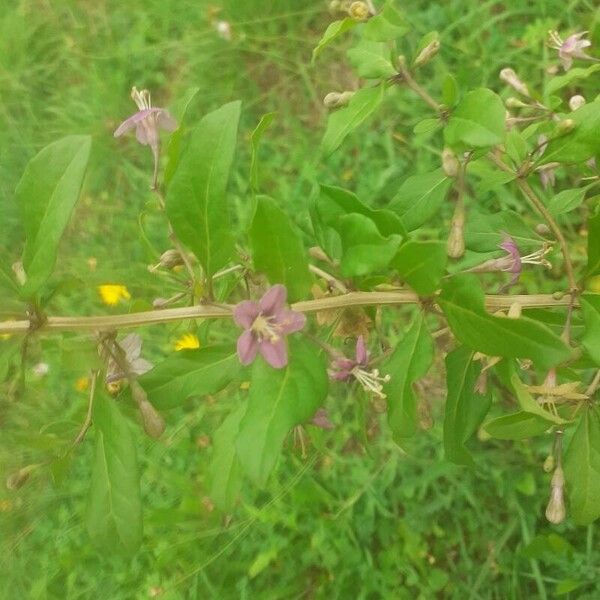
x: 450, y: 163
x: 170, y: 258
x: 548, y: 465
x: 514, y: 311
x: 576, y: 102
x: 555, y: 511
x: 542, y: 229
x: 154, y: 424
x: 456, y: 240
x: 513, y: 102
x: 19, y: 478
x: 511, y: 78
x: 336, y: 99
x: 359, y: 11
x: 19, y: 272
x: 427, y: 53
x: 565, y: 126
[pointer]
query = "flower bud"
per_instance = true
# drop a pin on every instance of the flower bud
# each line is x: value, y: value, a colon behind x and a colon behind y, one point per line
x: 555, y: 511
x: 513, y: 102
x: 170, y: 258
x: 542, y: 229
x: 359, y: 11
x: 19, y: 272
x: 19, y: 478
x: 548, y: 465
x: 427, y: 53
x: 154, y: 424
x: 511, y: 78
x: 336, y: 99
x: 576, y: 102
x: 456, y: 240
x: 565, y: 126
x: 450, y: 163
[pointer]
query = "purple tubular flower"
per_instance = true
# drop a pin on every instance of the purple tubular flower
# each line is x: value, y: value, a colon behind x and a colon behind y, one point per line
x: 571, y: 48
x: 514, y: 263
x: 265, y: 324
x: 147, y: 122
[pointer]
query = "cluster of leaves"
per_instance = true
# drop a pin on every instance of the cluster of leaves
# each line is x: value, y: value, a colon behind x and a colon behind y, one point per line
x: 493, y: 360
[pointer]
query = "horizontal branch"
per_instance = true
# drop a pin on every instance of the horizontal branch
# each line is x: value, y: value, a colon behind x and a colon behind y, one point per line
x: 224, y: 311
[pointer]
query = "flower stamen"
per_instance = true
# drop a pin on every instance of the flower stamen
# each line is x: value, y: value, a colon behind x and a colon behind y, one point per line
x: 371, y: 381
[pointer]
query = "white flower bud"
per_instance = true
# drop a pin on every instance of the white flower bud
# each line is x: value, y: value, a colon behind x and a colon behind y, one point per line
x: 511, y: 78
x: 336, y: 99
x: 450, y: 163
x: 427, y: 53
x: 576, y: 102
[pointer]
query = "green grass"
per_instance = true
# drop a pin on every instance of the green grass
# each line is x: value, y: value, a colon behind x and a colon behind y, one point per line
x: 355, y: 518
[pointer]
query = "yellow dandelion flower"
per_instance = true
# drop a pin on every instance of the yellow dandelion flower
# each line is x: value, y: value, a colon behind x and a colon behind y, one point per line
x: 82, y: 384
x: 188, y: 341
x: 112, y: 294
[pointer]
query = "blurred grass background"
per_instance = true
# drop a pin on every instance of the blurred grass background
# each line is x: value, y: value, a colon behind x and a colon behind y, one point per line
x: 344, y: 522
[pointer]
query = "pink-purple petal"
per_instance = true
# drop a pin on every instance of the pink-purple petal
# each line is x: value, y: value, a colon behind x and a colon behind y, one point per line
x: 166, y: 121
x: 273, y: 299
x: 289, y: 320
x: 247, y: 347
x: 275, y: 353
x: 141, y: 133
x: 245, y: 312
x: 362, y: 355
x: 132, y: 121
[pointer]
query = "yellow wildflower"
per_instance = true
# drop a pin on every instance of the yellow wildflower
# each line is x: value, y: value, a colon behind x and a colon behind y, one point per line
x: 112, y: 294
x: 188, y: 341
x: 82, y: 384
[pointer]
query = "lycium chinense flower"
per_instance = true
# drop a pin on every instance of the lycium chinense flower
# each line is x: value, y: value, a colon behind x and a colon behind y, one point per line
x: 345, y: 369
x: 570, y: 48
x: 265, y: 324
x: 131, y: 347
x: 147, y: 122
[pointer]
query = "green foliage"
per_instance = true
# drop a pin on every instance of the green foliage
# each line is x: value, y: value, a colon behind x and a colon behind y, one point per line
x: 279, y: 399
x: 333, y: 31
x: 191, y: 373
x: 371, y: 60
x: 477, y: 121
x: 421, y: 265
x: 463, y: 304
x: 410, y: 361
x: 590, y: 304
x: 465, y: 407
x: 593, y: 245
x: 516, y: 426
x: 47, y: 194
x: 582, y: 468
x: 196, y: 203
x: 277, y: 249
x: 345, y: 120
x: 114, y: 512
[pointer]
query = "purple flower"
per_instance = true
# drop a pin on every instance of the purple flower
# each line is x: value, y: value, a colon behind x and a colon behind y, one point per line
x: 266, y: 323
x: 571, y: 48
x: 513, y: 261
x: 344, y: 369
x: 131, y: 346
x: 147, y: 122
x: 321, y: 419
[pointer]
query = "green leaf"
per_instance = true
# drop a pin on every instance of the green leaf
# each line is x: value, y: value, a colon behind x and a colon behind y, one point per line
x: 517, y: 426
x: 516, y: 147
x: 490, y: 177
x: 450, y: 90
x: 333, y: 31
x: 369, y: 238
x: 567, y: 200
x: 277, y: 249
x: 191, y: 373
x: 410, y: 361
x: 421, y: 265
x: 196, y: 199
x: 582, y: 142
x: 114, y: 510
x: 484, y: 231
x: 462, y: 301
x: 582, y: 469
x: 371, y: 60
x: 590, y: 303
x: 279, y: 399
x: 593, y: 246
x: 364, y: 249
x: 255, y: 138
x: 47, y: 194
x: 345, y: 120
x: 386, y: 26
x: 224, y: 472
x: 477, y: 121
x: 465, y: 408
x: 420, y: 198
x: 561, y: 81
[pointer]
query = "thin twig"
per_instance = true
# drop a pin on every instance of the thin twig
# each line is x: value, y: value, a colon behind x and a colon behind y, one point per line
x: 224, y: 311
x: 88, y: 417
x: 594, y: 385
